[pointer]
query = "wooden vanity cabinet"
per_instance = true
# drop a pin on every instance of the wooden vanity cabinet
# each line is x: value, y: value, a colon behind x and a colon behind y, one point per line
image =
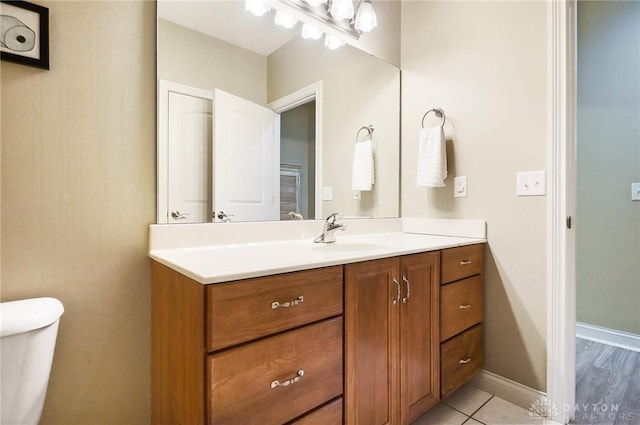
x: 392, y: 352
x: 461, y: 315
x: 257, y: 351
x: 371, y: 343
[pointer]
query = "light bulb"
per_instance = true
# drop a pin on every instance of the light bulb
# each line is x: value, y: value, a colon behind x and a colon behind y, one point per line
x: 341, y: 9
x: 366, y: 19
x: 310, y: 32
x: 315, y: 3
x: 332, y: 42
x: 256, y: 7
x: 285, y: 20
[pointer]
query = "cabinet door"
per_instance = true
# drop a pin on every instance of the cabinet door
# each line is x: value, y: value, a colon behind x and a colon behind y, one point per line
x: 419, y: 335
x: 371, y: 349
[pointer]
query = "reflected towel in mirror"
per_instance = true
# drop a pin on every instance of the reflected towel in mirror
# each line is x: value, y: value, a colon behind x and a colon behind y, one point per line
x: 362, y: 176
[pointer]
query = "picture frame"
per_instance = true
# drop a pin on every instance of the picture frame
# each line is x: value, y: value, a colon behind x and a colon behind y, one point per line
x: 24, y: 33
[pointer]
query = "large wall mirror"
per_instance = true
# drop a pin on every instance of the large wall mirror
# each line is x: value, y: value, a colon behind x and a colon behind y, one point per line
x: 256, y: 123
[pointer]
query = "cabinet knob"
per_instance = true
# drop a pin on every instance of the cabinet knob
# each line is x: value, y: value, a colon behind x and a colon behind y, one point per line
x: 465, y: 262
x: 464, y: 306
x: 465, y: 361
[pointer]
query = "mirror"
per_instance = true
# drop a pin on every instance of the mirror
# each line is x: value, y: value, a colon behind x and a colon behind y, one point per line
x: 256, y: 123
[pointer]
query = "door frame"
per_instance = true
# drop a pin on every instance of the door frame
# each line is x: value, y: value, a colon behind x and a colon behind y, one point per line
x: 307, y: 94
x: 561, y: 207
x: 162, y: 185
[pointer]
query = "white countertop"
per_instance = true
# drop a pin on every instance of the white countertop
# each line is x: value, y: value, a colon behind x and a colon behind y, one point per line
x: 228, y: 262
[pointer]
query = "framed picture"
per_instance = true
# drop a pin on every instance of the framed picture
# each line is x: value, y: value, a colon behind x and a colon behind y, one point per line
x: 24, y: 33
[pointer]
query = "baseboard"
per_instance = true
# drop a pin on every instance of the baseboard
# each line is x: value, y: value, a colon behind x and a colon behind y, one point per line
x: 608, y: 336
x: 508, y: 390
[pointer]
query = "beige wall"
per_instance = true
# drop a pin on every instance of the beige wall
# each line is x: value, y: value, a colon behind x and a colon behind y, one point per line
x: 608, y: 231
x: 384, y: 41
x: 78, y: 182
x: 485, y: 64
x: 78, y: 194
x: 189, y: 57
x: 358, y: 90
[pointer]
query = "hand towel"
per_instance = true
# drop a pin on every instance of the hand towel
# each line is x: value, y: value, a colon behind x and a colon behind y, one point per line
x: 362, y: 176
x: 432, y: 157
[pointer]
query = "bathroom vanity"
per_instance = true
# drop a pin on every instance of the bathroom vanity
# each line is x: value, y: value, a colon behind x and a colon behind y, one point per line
x: 374, y: 329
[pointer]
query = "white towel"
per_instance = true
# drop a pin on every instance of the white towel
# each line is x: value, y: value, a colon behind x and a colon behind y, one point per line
x: 432, y: 157
x: 362, y: 176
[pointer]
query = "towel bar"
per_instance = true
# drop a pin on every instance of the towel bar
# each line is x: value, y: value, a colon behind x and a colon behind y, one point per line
x: 439, y: 113
x: 369, y: 130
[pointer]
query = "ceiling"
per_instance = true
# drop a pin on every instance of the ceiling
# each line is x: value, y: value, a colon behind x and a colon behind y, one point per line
x: 228, y: 21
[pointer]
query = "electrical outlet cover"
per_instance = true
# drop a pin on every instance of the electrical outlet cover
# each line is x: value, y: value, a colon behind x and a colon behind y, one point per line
x: 635, y: 191
x: 327, y: 193
x: 460, y: 187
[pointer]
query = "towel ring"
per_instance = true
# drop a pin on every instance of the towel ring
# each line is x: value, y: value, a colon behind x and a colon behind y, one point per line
x: 369, y: 129
x: 439, y: 113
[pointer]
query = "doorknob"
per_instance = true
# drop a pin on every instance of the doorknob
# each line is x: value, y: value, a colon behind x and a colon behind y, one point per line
x: 178, y: 216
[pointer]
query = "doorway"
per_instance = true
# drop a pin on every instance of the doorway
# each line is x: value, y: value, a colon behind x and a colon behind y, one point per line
x: 608, y: 225
x: 297, y: 162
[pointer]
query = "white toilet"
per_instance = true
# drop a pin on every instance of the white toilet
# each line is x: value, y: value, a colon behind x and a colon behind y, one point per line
x: 28, y: 330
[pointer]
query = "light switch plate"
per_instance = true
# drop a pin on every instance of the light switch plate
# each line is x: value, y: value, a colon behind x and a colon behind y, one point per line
x: 635, y: 191
x: 357, y: 194
x: 460, y: 187
x: 327, y: 193
x: 531, y: 183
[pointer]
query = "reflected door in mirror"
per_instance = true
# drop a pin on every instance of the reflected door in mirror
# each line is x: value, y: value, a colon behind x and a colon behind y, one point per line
x: 246, y: 171
x: 189, y: 139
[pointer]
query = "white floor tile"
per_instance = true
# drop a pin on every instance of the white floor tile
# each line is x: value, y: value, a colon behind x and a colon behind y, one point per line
x: 500, y: 412
x: 441, y: 415
x: 467, y: 399
x: 472, y: 422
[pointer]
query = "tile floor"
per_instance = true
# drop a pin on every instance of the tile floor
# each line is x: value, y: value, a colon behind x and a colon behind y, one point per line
x: 472, y: 406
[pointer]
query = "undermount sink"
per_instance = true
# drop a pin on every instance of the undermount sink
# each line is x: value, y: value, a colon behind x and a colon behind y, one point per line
x: 349, y: 246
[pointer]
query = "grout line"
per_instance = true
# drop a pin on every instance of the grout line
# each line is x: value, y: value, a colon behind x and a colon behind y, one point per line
x: 483, y: 404
x: 474, y: 412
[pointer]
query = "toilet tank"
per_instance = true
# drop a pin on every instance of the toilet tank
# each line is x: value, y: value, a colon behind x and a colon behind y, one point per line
x: 28, y: 331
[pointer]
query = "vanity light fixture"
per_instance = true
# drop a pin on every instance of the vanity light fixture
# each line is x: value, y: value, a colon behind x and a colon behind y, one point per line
x: 310, y: 32
x: 285, y: 20
x: 256, y: 7
x: 332, y: 42
x: 341, y: 9
x: 334, y: 18
x: 316, y: 3
x: 366, y: 19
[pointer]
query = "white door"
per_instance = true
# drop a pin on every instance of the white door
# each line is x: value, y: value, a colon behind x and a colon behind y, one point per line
x: 189, y: 158
x: 246, y: 176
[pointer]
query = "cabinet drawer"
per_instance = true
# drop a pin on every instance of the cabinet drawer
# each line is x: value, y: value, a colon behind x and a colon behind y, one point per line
x: 461, y: 305
x: 330, y: 414
x: 461, y: 262
x: 461, y: 357
x: 245, y: 310
x: 243, y: 381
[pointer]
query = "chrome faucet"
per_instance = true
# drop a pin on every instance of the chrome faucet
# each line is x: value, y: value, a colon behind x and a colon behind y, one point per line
x: 329, y: 229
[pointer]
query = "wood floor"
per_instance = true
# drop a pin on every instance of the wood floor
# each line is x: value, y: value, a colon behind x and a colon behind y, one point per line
x: 607, y: 384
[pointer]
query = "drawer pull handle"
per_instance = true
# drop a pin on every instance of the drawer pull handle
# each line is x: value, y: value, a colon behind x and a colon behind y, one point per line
x: 464, y: 306
x: 276, y: 383
x: 288, y: 304
x: 395, y: 300
x: 465, y: 361
x: 465, y: 262
x: 405, y: 280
